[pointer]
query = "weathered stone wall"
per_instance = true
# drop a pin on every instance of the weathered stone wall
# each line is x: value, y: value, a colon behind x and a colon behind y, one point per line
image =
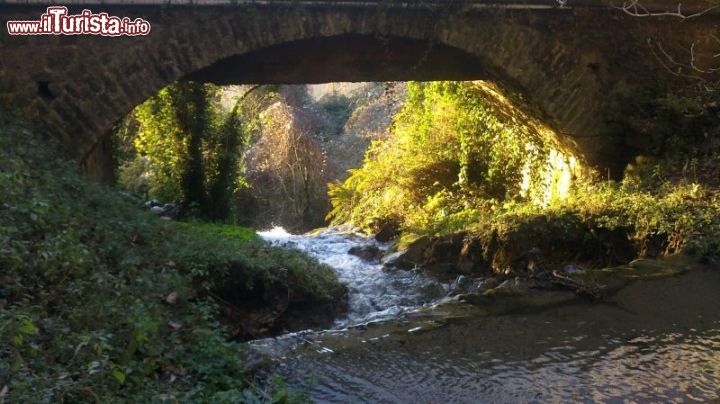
x: 565, y: 62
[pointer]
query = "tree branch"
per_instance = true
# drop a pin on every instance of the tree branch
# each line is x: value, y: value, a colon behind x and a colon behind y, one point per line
x: 636, y: 9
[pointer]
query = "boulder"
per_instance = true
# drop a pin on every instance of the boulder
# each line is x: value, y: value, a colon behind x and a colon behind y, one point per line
x: 415, y: 252
x: 170, y: 210
x: 445, y: 256
x: 456, y: 253
x: 153, y: 203
x: 466, y: 284
x: 396, y: 260
x: 489, y: 283
x: 370, y: 253
x: 412, y: 256
x: 158, y: 210
x: 167, y: 210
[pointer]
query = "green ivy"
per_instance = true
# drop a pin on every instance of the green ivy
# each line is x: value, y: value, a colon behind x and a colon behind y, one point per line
x: 86, y: 279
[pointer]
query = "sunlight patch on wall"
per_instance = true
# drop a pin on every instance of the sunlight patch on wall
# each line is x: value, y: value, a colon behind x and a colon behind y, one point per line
x: 561, y: 166
x: 554, y: 182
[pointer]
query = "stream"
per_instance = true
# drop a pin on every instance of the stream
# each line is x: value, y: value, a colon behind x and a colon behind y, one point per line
x: 407, y: 338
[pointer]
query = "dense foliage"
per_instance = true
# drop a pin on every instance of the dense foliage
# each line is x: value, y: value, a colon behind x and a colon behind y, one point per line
x: 185, y: 148
x: 672, y: 127
x: 601, y: 224
x: 102, y: 302
x: 245, y: 155
x: 451, y: 148
x: 459, y: 160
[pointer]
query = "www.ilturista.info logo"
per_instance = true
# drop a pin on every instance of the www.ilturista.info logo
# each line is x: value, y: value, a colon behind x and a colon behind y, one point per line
x: 56, y: 21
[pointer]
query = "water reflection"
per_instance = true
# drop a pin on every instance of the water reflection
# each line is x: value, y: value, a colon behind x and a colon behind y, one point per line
x: 682, y: 369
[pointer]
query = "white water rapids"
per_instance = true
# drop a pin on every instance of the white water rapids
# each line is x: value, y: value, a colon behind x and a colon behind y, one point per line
x: 375, y: 293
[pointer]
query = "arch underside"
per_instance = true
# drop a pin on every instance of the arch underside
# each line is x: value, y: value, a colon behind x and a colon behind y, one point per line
x: 345, y: 58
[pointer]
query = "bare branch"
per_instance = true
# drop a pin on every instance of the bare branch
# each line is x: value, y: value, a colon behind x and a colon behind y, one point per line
x: 677, y: 68
x: 716, y: 40
x: 696, y: 65
x: 636, y: 9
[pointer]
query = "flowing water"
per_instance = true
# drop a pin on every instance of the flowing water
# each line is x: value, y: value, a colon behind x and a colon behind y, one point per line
x: 407, y: 340
x: 374, y: 293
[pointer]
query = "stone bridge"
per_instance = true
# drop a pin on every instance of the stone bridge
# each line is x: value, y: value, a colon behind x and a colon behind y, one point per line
x: 569, y: 61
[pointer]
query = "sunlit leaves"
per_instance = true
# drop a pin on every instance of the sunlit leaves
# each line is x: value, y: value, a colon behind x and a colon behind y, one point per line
x: 188, y: 149
x: 454, y: 146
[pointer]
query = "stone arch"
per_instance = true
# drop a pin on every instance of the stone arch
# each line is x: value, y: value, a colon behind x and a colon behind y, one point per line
x: 558, y: 60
